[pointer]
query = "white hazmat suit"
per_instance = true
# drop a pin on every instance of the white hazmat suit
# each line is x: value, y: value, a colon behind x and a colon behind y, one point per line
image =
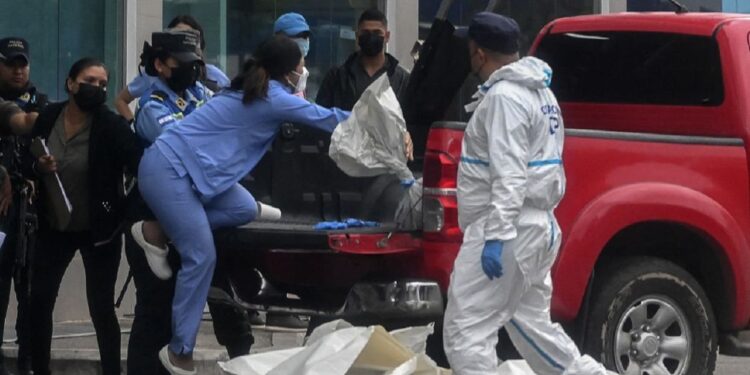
x: 510, y: 180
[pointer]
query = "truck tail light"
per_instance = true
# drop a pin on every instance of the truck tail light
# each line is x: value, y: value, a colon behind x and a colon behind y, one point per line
x: 433, y: 215
x: 439, y: 204
x: 440, y: 170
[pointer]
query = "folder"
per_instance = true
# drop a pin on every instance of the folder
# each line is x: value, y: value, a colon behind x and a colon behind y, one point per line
x: 61, y: 207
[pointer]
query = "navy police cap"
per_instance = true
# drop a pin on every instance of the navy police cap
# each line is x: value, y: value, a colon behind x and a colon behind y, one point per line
x: 493, y: 32
x: 183, y: 45
x: 12, y: 48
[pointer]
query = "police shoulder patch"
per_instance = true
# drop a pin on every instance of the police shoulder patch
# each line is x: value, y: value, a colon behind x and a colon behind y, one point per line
x: 165, y: 119
x: 159, y: 95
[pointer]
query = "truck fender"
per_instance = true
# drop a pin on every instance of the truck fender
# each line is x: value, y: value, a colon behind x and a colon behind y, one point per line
x: 619, y: 208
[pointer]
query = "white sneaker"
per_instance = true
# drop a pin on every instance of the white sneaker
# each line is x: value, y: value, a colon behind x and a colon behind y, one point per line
x: 156, y: 257
x: 172, y: 369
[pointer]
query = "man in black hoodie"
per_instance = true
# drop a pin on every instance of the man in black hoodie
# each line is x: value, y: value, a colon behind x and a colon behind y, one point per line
x: 343, y: 85
x: 15, y: 88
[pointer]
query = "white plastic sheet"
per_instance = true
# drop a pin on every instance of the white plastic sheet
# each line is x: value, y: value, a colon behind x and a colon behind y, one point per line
x: 371, y: 141
x: 337, y: 348
x: 409, y: 211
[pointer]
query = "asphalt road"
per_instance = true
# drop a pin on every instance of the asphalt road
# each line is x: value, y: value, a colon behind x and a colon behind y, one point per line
x: 732, y: 366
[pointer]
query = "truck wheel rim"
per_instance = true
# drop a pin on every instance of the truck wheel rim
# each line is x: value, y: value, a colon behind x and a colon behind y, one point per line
x: 653, y: 337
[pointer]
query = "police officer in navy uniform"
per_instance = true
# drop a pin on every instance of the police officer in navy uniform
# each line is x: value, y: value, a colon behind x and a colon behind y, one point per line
x: 16, y: 87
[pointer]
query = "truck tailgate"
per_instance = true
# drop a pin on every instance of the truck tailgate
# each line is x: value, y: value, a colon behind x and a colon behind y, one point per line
x: 384, y: 239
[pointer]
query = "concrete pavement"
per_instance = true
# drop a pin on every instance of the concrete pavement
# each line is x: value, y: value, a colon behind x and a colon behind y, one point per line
x: 74, y: 349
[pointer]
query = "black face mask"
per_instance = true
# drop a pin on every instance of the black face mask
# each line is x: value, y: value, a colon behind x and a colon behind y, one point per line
x: 371, y: 44
x: 89, y: 97
x: 183, y: 76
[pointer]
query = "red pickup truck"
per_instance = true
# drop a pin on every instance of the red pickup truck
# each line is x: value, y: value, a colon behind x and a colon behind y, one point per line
x: 654, y: 270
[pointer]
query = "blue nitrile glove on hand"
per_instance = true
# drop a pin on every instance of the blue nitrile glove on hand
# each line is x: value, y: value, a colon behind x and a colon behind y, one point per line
x: 407, y: 183
x: 491, y: 254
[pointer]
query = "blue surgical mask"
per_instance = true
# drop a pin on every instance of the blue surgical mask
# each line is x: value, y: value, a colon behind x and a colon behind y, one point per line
x: 304, y: 45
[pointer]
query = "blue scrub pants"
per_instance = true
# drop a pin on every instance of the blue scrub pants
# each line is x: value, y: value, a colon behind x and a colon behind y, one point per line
x: 188, y: 220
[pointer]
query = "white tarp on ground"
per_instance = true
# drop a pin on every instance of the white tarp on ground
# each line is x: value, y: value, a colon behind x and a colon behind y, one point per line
x: 338, y: 348
x: 371, y: 141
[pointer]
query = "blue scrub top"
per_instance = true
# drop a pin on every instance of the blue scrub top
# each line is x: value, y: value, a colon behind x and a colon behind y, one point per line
x: 222, y: 141
x: 140, y: 84
x: 213, y: 73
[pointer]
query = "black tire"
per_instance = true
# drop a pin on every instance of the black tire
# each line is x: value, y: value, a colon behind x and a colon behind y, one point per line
x: 634, y: 290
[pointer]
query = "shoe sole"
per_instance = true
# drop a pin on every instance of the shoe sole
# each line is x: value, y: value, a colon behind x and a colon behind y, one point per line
x: 274, y: 328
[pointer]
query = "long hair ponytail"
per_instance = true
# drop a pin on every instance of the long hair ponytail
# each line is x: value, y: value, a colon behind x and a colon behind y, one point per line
x: 274, y: 59
x: 256, y: 84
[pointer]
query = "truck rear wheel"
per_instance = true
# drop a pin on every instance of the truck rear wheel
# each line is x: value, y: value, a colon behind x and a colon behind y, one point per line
x: 649, y: 316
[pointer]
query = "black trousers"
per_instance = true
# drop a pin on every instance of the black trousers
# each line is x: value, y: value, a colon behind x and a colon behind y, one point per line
x: 8, y: 270
x: 53, y: 254
x: 152, y: 325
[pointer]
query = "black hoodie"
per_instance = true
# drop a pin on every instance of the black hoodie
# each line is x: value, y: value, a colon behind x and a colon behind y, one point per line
x: 343, y: 85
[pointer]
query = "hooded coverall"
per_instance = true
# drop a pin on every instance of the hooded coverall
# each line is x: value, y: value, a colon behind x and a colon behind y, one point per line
x: 510, y: 179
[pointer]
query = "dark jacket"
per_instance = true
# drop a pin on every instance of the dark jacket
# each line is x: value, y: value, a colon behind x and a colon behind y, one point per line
x: 113, y: 150
x: 12, y: 154
x: 30, y: 100
x: 343, y: 85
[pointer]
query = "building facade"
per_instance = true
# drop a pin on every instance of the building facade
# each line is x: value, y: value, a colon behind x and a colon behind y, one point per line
x: 61, y: 31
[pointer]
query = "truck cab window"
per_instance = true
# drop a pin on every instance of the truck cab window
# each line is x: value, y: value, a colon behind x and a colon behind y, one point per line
x: 634, y: 68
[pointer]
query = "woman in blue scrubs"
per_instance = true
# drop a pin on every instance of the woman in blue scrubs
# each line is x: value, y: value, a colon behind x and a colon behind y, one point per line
x: 189, y: 176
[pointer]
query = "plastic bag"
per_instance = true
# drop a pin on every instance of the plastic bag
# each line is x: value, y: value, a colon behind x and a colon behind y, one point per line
x: 371, y: 141
x: 337, y: 348
x: 409, y: 212
x: 414, y: 338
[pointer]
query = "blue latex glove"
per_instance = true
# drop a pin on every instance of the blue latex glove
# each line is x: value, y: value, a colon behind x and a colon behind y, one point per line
x: 407, y: 183
x: 356, y: 223
x: 330, y: 225
x: 491, y: 254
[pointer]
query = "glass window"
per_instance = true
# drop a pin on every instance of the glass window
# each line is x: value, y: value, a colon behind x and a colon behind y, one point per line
x: 666, y: 5
x: 634, y: 67
x: 70, y: 30
x: 234, y: 28
x: 530, y: 15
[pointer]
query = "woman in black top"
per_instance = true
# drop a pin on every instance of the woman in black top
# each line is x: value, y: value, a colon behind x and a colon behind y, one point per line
x: 90, y: 149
